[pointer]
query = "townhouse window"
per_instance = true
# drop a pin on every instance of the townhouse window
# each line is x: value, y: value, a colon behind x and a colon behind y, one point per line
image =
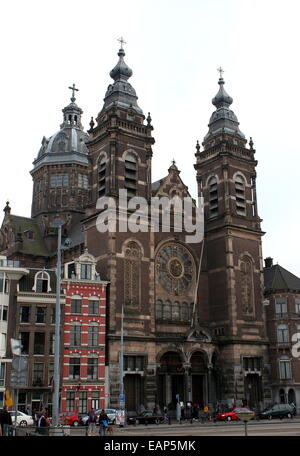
x: 297, y: 306
x: 24, y: 338
x: 75, y: 335
x: 2, y: 374
x: 39, y: 343
x: 92, y: 369
x: 93, y: 339
x: 76, y: 306
x: 95, y: 400
x: 94, y: 306
x: 40, y: 315
x: 4, y: 283
x: 53, y: 315
x: 82, y: 405
x: 74, y: 368
x: 38, y: 374
x: 52, y: 344
x: 24, y: 314
x: 50, y: 373
x: 285, y: 370
x: 70, y: 400
x: 281, y: 307
x: 3, y: 313
x: 282, y: 334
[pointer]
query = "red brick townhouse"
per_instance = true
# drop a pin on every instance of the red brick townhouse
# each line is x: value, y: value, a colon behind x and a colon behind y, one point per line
x: 83, y: 356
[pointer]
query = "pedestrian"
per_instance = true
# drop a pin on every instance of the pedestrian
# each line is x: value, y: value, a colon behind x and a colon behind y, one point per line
x: 103, y: 422
x: 92, y: 420
x: 43, y: 425
x: 5, y: 420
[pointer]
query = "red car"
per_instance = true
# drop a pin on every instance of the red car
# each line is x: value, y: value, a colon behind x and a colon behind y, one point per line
x: 228, y: 416
x: 70, y: 418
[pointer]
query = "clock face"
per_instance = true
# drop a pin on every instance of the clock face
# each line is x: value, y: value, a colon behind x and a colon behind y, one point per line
x: 174, y: 268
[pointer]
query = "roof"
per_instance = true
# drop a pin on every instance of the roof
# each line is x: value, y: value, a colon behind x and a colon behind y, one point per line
x: 279, y: 279
x: 35, y: 246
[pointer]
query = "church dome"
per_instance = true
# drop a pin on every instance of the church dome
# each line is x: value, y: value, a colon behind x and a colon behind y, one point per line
x: 68, y: 145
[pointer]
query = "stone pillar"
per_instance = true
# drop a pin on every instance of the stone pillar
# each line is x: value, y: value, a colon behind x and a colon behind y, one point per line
x: 187, y: 382
x: 168, y: 389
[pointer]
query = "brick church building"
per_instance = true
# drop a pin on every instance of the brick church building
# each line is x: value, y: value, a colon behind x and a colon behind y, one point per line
x: 193, y: 313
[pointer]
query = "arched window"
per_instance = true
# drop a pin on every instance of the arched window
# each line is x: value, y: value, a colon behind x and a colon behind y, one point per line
x: 159, y: 309
x: 285, y: 369
x: 175, y: 311
x: 132, y: 274
x: 247, y: 294
x: 213, y: 197
x: 130, y: 175
x: 102, y: 177
x: 240, y: 196
x: 184, y: 311
x: 167, y: 314
x: 42, y: 282
x: 282, y: 334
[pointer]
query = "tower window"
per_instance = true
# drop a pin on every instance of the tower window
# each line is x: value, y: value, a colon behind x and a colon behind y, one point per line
x: 83, y: 181
x: 102, y: 177
x: 240, y: 196
x: 59, y: 180
x: 130, y: 175
x: 213, y: 197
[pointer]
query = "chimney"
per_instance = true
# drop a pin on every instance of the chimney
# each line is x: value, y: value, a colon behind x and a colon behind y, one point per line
x: 268, y: 262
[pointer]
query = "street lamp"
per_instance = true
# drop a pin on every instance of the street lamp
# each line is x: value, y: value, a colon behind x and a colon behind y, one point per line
x: 57, y: 223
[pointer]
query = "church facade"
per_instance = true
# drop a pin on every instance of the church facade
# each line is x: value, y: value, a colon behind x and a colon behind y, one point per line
x: 192, y: 313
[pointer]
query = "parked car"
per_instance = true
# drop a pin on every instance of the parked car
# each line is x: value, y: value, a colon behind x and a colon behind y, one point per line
x: 70, y: 418
x: 22, y: 418
x: 230, y: 416
x: 111, y: 413
x: 278, y: 411
x: 146, y: 417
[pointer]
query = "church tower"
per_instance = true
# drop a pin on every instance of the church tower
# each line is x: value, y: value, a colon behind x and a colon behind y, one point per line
x: 227, y: 177
x: 61, y: 176
x: 120, y: 143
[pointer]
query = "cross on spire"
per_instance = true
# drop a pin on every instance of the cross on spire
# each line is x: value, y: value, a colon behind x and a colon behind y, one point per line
x: 122, y: 41
x: 73, y: 88
x: 221, y: 71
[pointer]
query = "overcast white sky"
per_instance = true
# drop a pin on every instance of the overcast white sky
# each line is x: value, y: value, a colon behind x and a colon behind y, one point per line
x: 174, y: 49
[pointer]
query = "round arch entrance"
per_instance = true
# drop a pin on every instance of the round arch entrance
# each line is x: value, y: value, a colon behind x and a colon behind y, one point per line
x: 199, y: 378
x: 171, y: 379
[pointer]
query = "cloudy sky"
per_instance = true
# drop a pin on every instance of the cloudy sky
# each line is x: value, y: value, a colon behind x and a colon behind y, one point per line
x: 174, y: 49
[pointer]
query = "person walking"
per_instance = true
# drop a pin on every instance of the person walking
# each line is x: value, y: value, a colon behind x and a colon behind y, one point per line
x: 43, y: 426
x: 5, y: 420
x: 103, y: 422
x: 92, y: 420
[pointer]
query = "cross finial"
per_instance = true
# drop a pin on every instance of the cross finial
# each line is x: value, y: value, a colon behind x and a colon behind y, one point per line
x: 221, y: 71
x: 73, y: 88
x: 122, y: 41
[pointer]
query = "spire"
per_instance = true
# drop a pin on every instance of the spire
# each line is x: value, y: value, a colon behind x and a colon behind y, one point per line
x: 121, y: 93
x: 223, y: 120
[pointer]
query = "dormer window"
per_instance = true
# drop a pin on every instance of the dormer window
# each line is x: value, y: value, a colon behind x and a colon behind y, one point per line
x: 42, y: 282
x: 86, y: 271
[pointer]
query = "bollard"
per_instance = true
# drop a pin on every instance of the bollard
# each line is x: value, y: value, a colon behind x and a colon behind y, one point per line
x: 169, y: 419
